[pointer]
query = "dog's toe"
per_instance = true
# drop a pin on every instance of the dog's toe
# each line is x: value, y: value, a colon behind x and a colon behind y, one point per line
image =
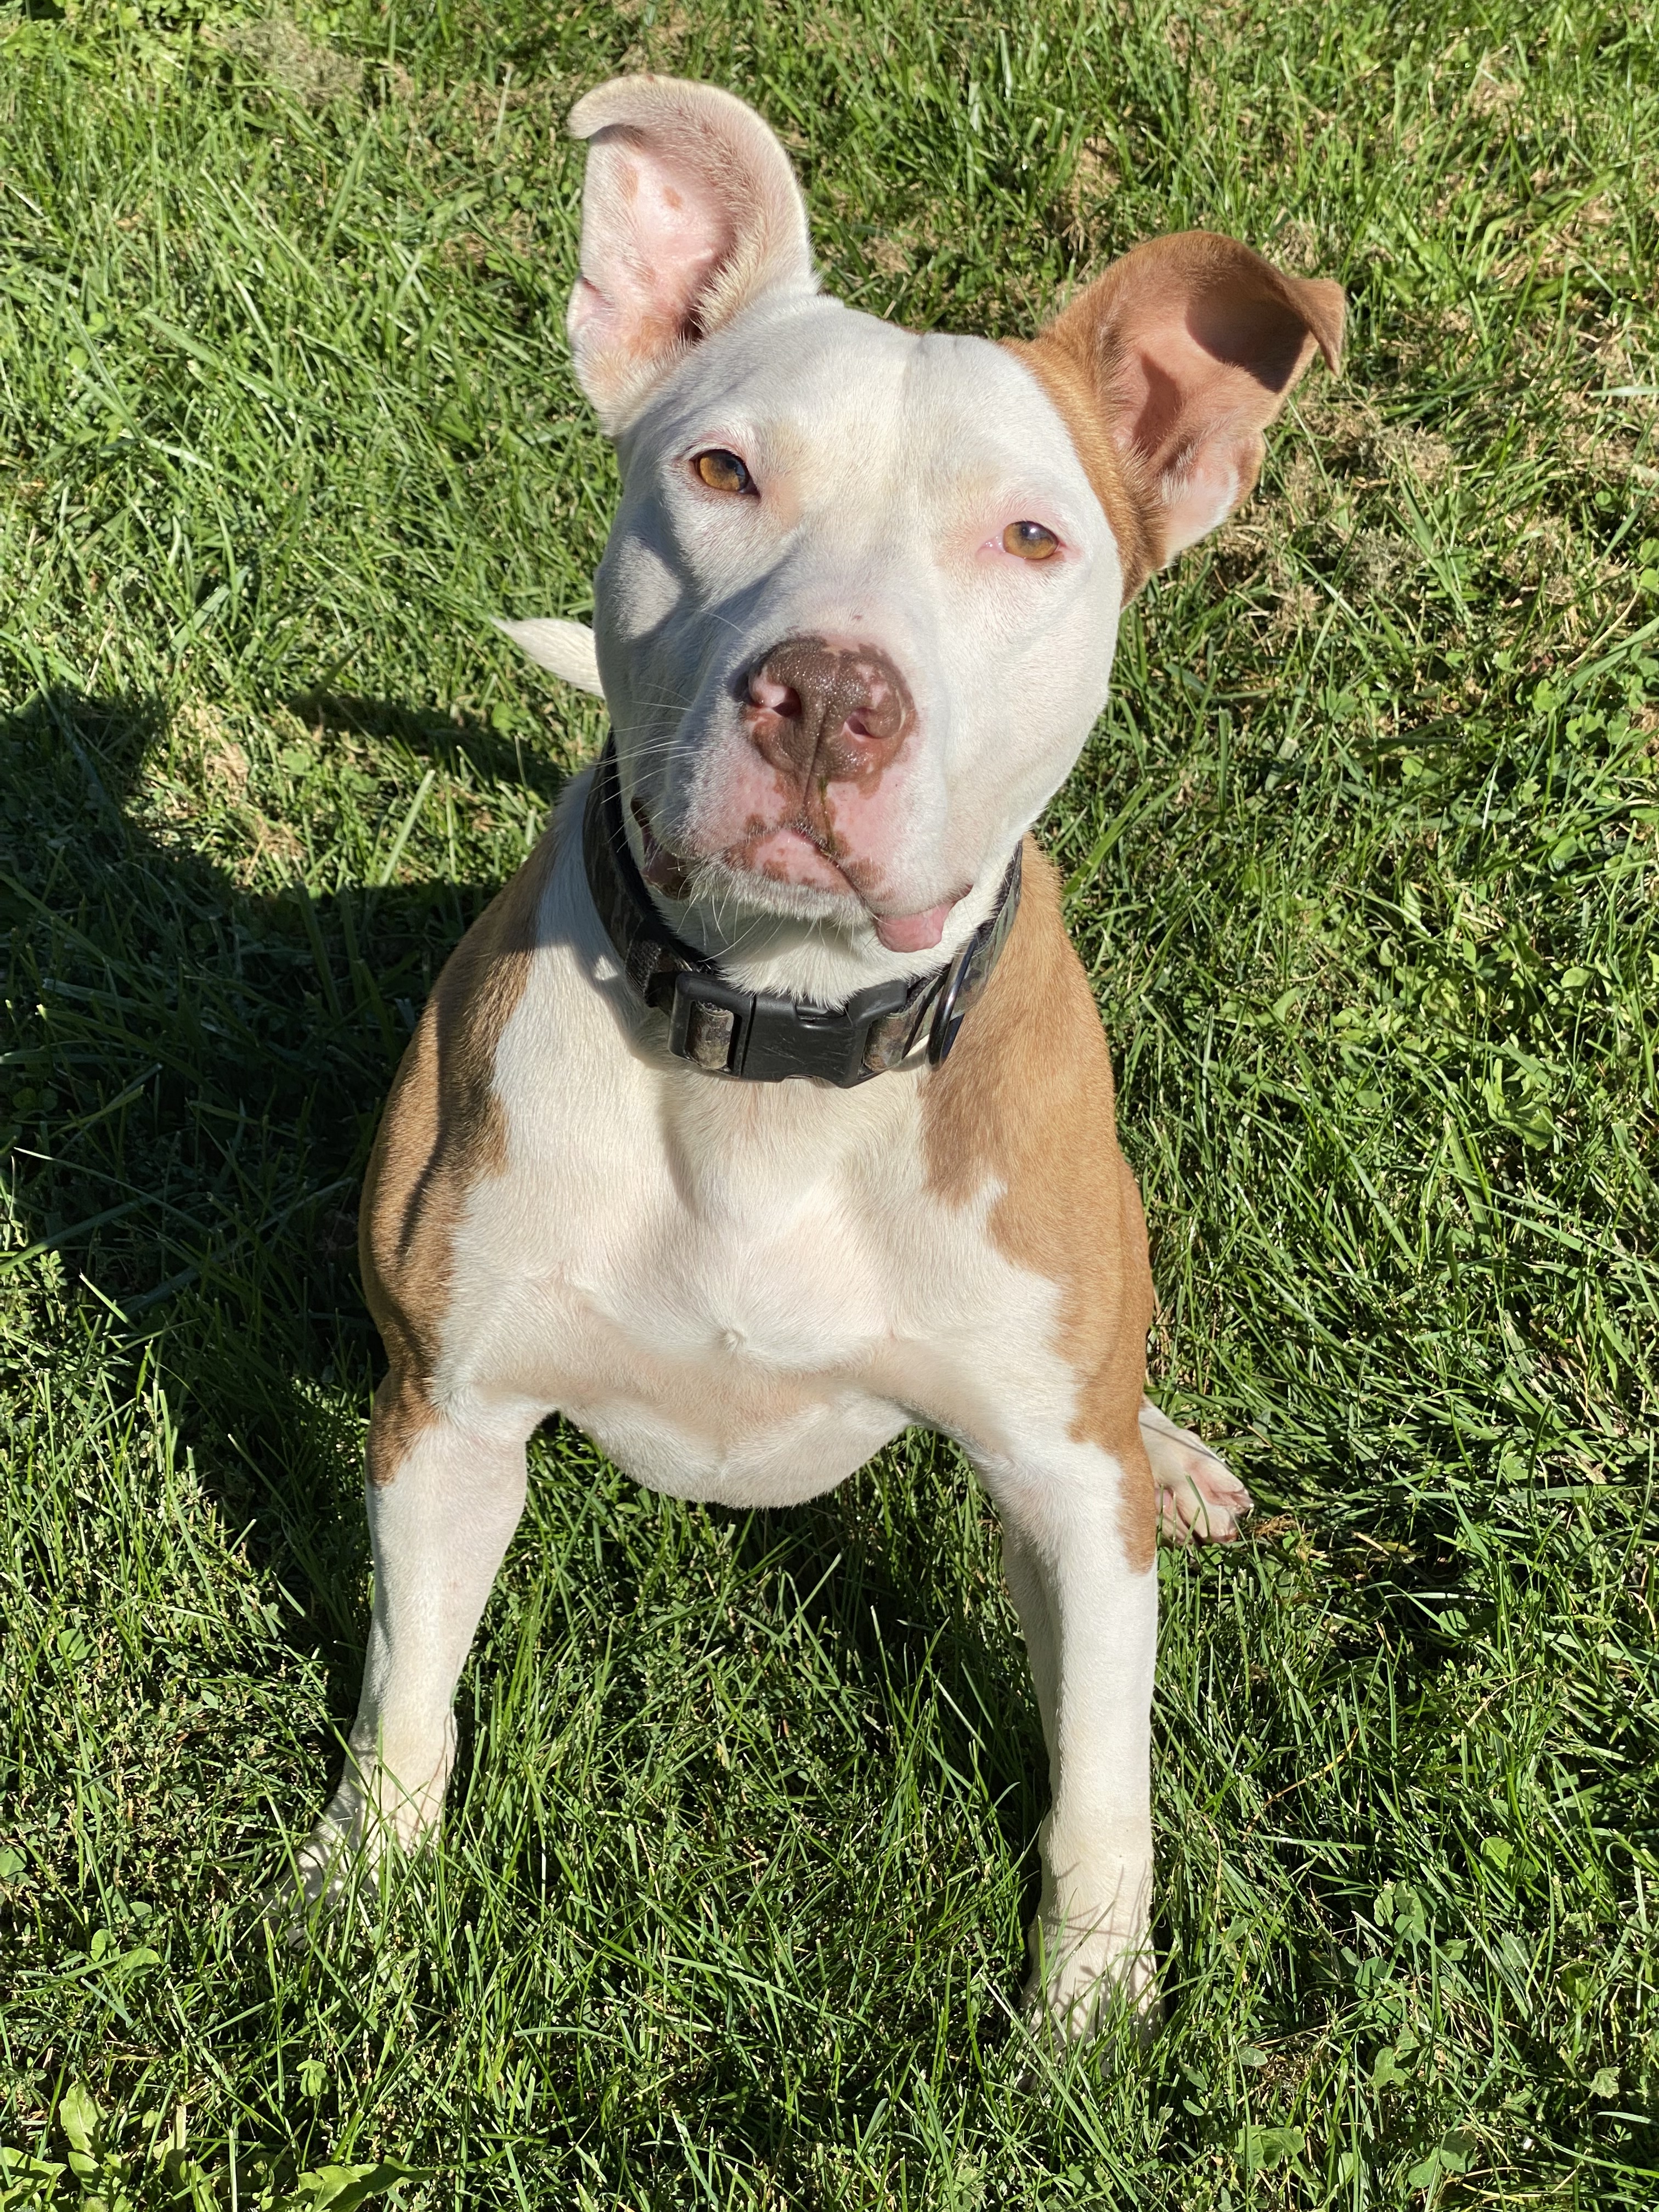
x: 1094, y: 1989
x: 314, y: 1879
x: 1199, y: 1499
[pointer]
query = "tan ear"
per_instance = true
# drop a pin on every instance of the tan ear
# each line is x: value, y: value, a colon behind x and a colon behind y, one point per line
x: 689, y: 211
x: 1168, y: 368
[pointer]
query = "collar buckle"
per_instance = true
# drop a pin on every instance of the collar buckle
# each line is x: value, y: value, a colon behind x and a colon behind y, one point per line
x: 727, y: 1031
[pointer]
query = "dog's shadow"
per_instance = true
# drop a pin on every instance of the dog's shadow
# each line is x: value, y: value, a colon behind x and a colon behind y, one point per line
x: 194, y: 1074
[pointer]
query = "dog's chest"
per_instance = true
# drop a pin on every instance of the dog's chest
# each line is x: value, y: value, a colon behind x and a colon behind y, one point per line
x: 791, y: 1281
x: 712, y: 1282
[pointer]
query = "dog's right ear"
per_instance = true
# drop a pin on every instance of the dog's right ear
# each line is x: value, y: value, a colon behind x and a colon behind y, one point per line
x: 689, y: 211
x: 566, y: 647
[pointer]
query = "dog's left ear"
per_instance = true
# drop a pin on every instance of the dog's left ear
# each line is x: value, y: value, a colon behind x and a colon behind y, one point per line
x: 1168, y: 370
x: 689, y: 211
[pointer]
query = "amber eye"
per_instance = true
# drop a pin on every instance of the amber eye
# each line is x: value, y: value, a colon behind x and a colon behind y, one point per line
x: 1030, y: 541
x: 723, y: 471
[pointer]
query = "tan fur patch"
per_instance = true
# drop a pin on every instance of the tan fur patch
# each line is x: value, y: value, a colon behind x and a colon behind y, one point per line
x: 1057, y: 359
x: 1026, y: 1098
x: 442, y: 1130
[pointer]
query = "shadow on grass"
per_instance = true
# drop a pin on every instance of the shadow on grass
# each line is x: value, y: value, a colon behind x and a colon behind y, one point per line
x: 423, y: 730
x: 196, y: 1072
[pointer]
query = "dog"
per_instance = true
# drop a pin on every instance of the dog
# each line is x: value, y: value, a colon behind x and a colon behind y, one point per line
x: 768, y: 1110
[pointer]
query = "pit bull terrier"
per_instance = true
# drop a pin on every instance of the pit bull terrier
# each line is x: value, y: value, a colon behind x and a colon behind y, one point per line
x: 768, y: 1111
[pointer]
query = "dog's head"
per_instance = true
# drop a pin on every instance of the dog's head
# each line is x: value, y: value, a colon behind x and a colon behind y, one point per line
x: 859, y: 606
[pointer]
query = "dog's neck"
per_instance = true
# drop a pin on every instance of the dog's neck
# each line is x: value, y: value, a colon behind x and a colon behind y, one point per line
x: 725, y: 1024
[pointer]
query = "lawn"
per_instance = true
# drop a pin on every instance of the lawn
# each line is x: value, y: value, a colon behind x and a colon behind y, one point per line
x: 1361, y: 861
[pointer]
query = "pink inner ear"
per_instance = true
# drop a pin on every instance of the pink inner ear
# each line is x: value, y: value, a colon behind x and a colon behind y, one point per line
x: 1192, y: 389
x: 1195, y: 382
x: 1177, y: 387
x: 680, y: 234
x: 1187, y: 348
x: 645, y: 265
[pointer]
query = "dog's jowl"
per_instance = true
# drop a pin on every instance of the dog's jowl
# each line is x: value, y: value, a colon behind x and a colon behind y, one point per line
x: 768, y: 1110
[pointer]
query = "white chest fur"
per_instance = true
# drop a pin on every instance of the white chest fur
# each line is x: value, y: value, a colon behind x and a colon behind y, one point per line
x: 718, y: 1281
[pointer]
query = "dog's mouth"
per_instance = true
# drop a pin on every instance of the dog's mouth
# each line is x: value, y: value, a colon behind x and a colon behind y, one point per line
x: 789, y: 856
x: 661, y: 866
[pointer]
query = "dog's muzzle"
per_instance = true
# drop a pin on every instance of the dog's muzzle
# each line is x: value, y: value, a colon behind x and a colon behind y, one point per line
x: 720, y: 1027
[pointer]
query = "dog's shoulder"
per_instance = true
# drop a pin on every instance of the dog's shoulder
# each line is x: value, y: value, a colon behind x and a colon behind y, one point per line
x: 1026, y: 1095
x: 1025, y: 1102
x: 444, y: 1127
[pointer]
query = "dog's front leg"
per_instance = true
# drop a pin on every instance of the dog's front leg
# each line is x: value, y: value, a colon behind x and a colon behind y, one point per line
x: 1089, y: 1616
x: 444, y: 1498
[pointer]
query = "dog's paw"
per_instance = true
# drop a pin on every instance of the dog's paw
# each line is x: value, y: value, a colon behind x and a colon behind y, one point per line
x: 1102, y: 1982
x: 369, y: 1815
x: 1199, y: 1499
x: 310, y: 1886
x: 318, y: 1876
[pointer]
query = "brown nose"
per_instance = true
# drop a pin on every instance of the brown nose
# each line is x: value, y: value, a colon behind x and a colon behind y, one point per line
x: 824, y: 710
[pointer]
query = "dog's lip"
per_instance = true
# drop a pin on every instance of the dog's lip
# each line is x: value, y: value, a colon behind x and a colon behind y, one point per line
x: 661, y: 866
x: 741, y: 857
x: 669, y: 872
x: 916, y: 931
x: 919, y: 931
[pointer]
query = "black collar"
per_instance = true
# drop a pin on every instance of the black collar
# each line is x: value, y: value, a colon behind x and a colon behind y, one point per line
x: 718, y: 1026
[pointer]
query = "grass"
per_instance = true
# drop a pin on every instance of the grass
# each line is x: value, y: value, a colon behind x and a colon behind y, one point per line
x: 729, y: 1908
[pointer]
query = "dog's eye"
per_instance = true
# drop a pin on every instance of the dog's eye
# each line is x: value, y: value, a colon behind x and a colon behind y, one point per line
x: 723, y: 471
x: 1029, y: 540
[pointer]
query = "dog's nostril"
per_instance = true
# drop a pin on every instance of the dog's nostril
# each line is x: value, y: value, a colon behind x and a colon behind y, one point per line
x: 829, y: 706
x: 777, y: 698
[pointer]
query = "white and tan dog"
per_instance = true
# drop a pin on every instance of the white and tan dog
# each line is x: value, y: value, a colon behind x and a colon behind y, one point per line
x: 854, y: 621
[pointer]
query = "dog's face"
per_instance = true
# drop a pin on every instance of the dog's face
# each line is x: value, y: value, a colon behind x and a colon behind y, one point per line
x: 859, y: 606
x: 856, y: 616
